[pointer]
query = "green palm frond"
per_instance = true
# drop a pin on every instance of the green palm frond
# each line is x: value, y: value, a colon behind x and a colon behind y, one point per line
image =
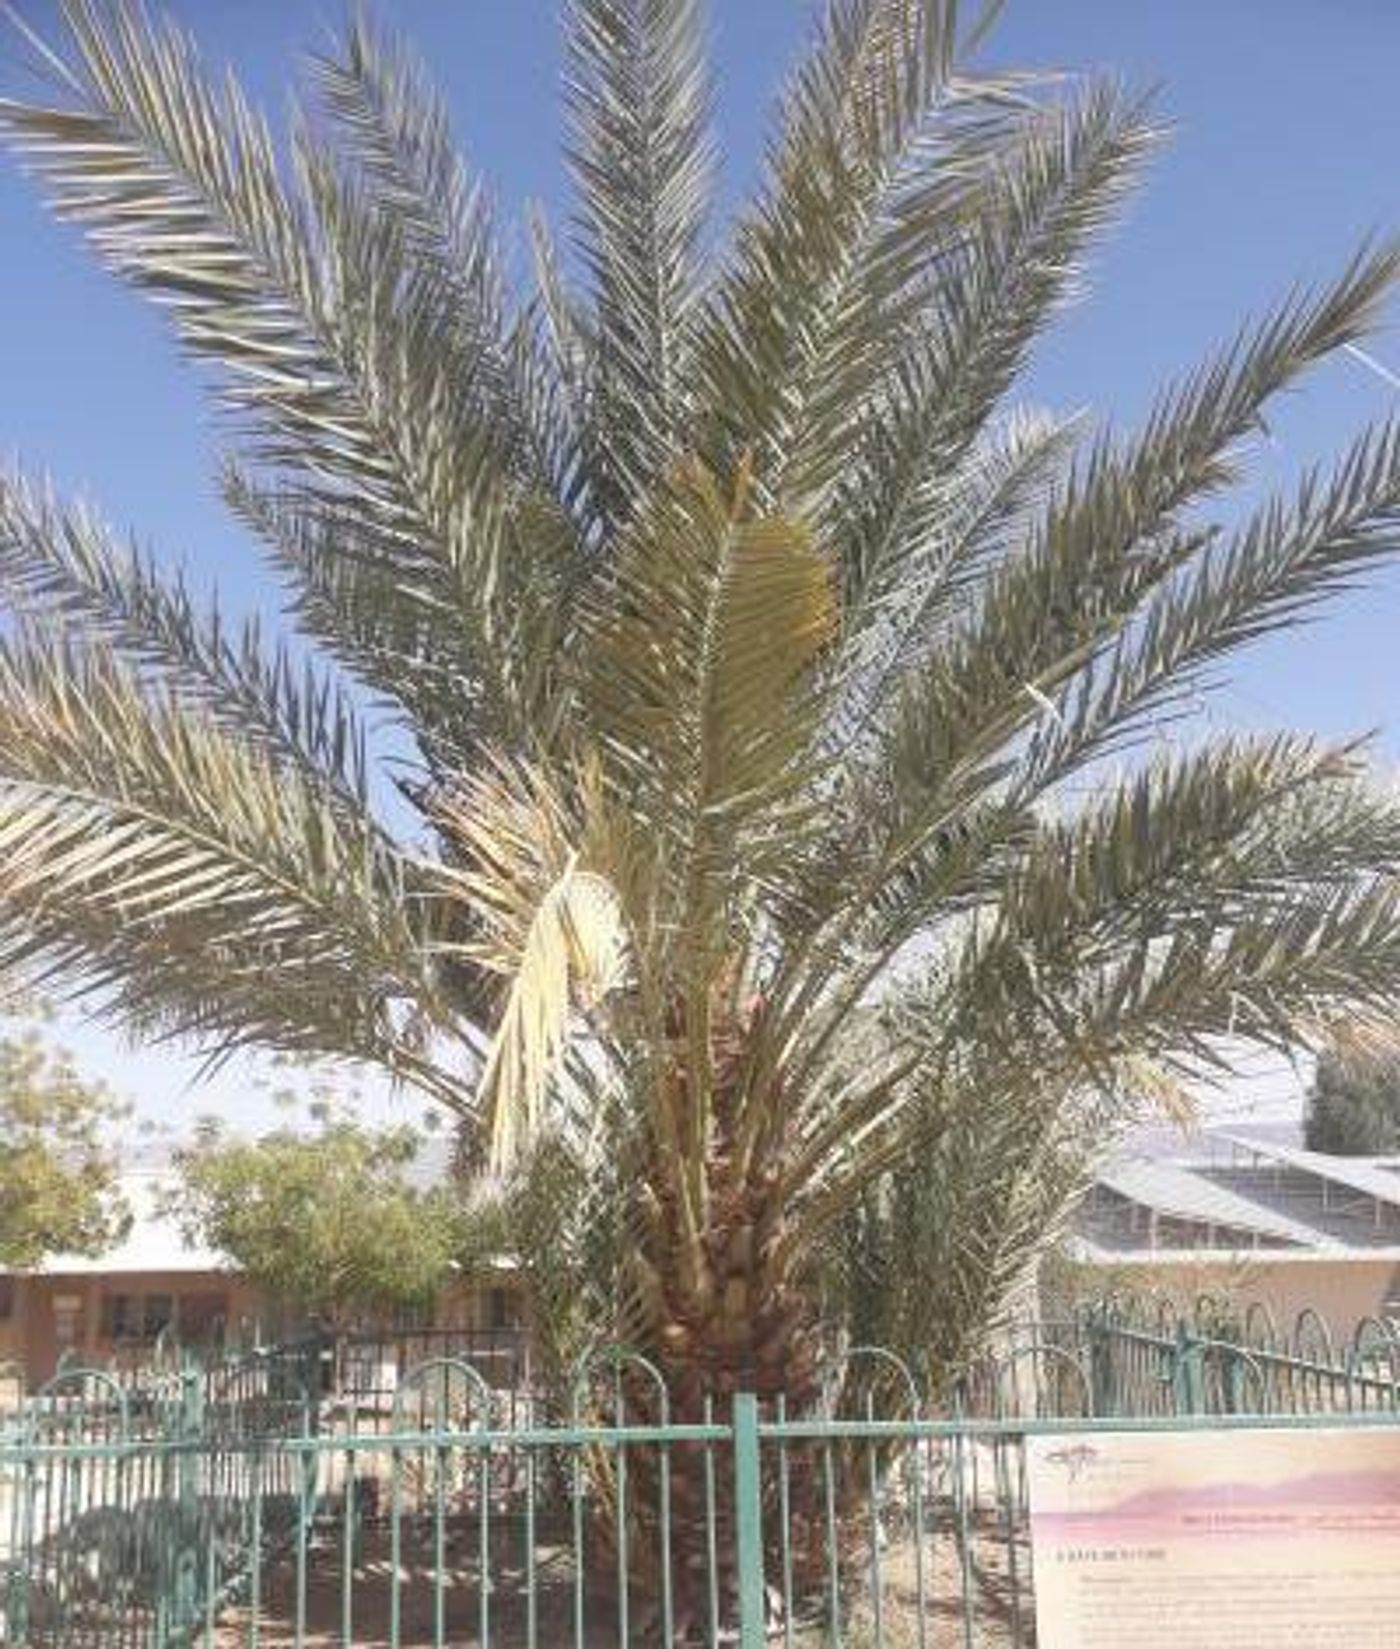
x: 854, y: 115
x: 1050, y: 190
x: 1115, y: 533
x: 177, y: 187
x: 973, y: 517
x: 265, y: 282
x: 1202, y: 844
x: 151, y: 854
x: 638, y: 98
x: 395, y: 128
x: 346, y: 598
x: 64, y: 567
x: 389, y: 132
x: 1268, y: 575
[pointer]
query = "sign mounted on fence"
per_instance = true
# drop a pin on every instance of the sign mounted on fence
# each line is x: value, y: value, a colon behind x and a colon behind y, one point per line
x: 1217, y: 1539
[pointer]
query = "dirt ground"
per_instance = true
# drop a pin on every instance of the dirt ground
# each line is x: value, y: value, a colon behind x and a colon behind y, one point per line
x: 1002, y: 1612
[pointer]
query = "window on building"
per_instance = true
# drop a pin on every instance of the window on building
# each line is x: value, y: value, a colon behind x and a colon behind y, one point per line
x: 414, y: 1319
x: 157, y: 1316
x: 500, y: 1308
x: 7, y: 1298
x: 121, y: 1316
x: 202, y: 1315
x: 67, y: 1321
x: 136, y: 1316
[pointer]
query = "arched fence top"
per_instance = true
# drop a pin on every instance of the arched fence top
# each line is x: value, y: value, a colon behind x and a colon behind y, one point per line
x: 1037, y: 1353
x: 1375, y: 1333
x: 617, y: 1361
x: 884, y: 1358
x: 71, y: 1382
x: 1312, y: 1335
x: 445, y: 1370
x: 1260, y: 1323
x: 1116, y: 1356
x: 1232, y: 1358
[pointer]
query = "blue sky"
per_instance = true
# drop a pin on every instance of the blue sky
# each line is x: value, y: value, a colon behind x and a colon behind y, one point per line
x: 1287, y: 137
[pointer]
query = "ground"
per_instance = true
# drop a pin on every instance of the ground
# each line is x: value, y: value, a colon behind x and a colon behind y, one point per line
x: 1002, y: 1620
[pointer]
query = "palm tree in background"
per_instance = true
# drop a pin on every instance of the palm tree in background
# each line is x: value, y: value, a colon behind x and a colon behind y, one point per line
x: 754, y: 864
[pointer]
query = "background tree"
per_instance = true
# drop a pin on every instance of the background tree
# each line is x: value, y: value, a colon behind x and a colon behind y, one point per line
x: 1353, y: 1105
x: 338, y: 1222
x: 754, y: 655
x: 59, y: 1191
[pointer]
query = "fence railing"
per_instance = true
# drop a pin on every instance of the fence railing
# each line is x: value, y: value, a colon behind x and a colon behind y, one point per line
x: 216, y: 1506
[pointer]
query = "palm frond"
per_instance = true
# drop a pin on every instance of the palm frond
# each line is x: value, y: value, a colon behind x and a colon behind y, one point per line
x: 314, y: 304
x: 345, y: 597
x: 930, y: 1260
x: 546, y: 922
x: 575, y: 952
x: 63, y: 566
x: 391, y: 128
x: 1044, y: 202
x: 854, y: 114
x: 1203, y: 844
x: 972, y: 517
x: 1290, y: 556
x: 1115, y: 534
x: 638, y: 101
x: 195, y: 883
x: 701, y: 684
x: 178, y: 188
x: 1300, y: 965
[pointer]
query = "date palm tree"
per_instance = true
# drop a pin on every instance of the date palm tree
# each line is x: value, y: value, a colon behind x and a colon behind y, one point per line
x: 774, y: 839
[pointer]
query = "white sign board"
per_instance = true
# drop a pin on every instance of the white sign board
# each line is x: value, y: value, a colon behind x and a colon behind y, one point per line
x: 1217, y: 1539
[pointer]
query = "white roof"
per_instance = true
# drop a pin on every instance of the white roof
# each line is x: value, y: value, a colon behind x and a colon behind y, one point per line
x: 1094, y: 1253
x: 1363, y: 1174
x: 1180, y: 1194
x: 155, y: 1241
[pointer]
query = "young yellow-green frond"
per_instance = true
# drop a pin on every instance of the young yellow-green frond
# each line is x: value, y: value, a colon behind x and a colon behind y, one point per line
x: 702, y: 685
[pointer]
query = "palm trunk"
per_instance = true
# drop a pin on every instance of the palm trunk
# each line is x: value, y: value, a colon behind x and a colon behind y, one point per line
x: 720, y: 1314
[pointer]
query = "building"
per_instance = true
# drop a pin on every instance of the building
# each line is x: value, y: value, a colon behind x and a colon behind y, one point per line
x: 155, y: 1283
x: 1254, y: 1217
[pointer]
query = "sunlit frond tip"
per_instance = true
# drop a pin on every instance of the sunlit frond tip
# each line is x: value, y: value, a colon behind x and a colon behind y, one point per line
x: 575, y: 955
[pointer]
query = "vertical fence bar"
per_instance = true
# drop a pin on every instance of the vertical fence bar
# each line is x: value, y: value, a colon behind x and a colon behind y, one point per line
x: 833, y: 1562
x: 877, y: 1584
x: 577, y: 1452
x: 531, y: 1583
x: 748, y: 1520
x: 623, y: 1569
x: 711, y: 1551
x: 440, y: 1467
x: 255, y: 1553
x: 395, y: 1543
x: 483, y: 1477
x: 306, y: 1479
x: 785, y: 1522
x: 347, y: 1550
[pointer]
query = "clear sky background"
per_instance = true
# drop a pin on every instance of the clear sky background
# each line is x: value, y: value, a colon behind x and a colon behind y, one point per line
x: 1287, y: 116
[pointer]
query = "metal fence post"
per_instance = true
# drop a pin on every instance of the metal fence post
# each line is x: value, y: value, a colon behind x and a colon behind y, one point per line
x: 1189, y: 1373
x: 1103, y: 1394
x: 748, y: 1520
x: 190, y: 1432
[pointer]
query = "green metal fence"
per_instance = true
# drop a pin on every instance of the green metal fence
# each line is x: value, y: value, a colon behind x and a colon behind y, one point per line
x: 225, y: 1504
